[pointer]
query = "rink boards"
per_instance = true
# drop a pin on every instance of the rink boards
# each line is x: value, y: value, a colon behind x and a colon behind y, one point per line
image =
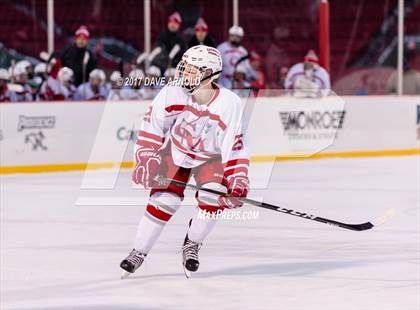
x: 42, y: 137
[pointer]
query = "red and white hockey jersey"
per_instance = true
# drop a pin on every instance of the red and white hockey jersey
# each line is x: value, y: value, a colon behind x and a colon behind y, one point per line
x: 198, y: 132
x: 53, y: 90
x: 230, y: 56
x: 318, y: 82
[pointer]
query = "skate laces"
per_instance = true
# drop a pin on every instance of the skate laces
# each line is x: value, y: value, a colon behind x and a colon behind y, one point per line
x: 190, y: 249
x: 136, y: 257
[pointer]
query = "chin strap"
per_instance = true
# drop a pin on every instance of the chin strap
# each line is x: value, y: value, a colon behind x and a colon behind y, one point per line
x: 190, y: 91
x: 211, y: 75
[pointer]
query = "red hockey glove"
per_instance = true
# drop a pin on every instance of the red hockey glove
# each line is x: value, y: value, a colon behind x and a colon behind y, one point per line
x: 148, y: 161
x: 238, y: 187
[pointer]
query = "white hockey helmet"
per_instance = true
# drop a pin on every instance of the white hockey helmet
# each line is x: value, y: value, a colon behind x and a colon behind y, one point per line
x: 115, y: 76
x: 40, y: 68
x: 136, y: 74
x: 207, y: 62
x: 241, y: 68
x: 154, y: 71
x: 170, y: 72
x: 97, y: 74
x: 65, y: 75
x: 236, y: 31
x: 24, y: 64
x: 18, y: 70
x: 4, y: 74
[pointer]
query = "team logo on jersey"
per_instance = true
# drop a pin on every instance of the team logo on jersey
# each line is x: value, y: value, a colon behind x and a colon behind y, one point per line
x: 187, y: 132
x: 148, y: 115
x: 239, y: 143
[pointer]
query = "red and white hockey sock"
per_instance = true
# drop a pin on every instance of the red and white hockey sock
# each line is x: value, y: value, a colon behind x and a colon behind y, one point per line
x: 161, y: 207
x: 200, y: 227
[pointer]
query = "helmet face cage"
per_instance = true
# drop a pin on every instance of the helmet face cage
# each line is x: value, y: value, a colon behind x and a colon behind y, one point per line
x: 188, y: 76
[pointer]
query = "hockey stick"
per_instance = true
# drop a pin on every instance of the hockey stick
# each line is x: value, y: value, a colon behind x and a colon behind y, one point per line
x: 356, y: 227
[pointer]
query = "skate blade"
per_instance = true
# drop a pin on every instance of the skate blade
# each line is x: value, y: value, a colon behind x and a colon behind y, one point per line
x: 186, y: 272
x: 125, y: 275
x: 389, y: 214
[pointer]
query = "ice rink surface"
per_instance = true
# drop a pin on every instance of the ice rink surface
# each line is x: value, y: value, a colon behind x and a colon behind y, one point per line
x: 58, y: 255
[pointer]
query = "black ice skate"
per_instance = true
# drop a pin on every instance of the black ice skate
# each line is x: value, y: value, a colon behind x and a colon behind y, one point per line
x: 190, y: 256
x: 132, y: 262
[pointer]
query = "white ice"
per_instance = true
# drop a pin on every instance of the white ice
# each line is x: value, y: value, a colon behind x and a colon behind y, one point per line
x: 58, y: 255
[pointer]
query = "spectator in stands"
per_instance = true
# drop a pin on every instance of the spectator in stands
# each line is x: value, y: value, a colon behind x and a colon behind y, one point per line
x: 411, y: 77
x: 5, y: 94
x: 59, y: 89
x: 171, y: 43
x: 232, y: 52
x: 308, y: 78
x: 94, y: 89
x: 201, y: 36
x: 78, y: 57
x: 23, y: 92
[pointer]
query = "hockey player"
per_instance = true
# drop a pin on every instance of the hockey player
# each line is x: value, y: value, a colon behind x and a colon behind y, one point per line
x: 20, y: 77
x: 40, y: 76
x: 59, y: 89
x: 115, y: 86
x: 5, y: 94
x: 28, y: 68
x: 153, y: 82
x: 193, y: 128
x: 65, y: 77
x: 41, y: 71
x: 94, y: 89
x: 135, y: 90
x: 248, y: 75
x: 308, y: 78
x: 232, y: 51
